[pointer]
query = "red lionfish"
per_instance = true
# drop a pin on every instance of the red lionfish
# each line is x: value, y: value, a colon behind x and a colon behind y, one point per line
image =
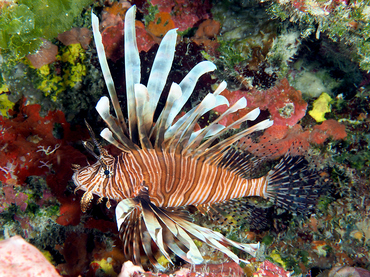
x: 165, y: 166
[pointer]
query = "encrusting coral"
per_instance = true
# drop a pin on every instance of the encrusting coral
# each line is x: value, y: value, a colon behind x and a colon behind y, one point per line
x: 284, y: 103
x: 32, y: 145
x: 278, y: 140
x: 161, y: 24
x: 16, y: 253
x: 206, y: 36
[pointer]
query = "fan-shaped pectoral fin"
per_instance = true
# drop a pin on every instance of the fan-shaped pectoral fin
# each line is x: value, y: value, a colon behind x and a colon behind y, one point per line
x: 170, y: 231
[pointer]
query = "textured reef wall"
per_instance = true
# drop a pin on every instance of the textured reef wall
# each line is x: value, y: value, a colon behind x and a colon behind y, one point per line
x: 303, y: 63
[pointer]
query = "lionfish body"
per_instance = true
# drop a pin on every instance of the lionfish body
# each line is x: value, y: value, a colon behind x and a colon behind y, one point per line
x: 169, y: 178
x: 165, y: 165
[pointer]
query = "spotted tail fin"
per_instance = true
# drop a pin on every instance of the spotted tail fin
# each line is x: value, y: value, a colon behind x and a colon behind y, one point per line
x: 143, y: 223
x: 291, y: 185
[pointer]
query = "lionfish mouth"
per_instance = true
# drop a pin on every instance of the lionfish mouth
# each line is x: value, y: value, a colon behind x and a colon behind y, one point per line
x: 165, y: 166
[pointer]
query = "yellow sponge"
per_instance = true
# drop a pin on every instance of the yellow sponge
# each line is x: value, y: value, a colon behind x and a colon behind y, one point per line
x: 321, y: 106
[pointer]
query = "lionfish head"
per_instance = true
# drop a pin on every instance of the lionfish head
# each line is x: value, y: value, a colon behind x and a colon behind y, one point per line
x: 94, y: 179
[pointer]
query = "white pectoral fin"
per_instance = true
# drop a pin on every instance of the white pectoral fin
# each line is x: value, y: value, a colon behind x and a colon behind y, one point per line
x: 171, y: 231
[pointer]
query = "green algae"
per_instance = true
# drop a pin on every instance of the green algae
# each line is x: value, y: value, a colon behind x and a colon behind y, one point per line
x: 267, y: 240
x: 24, y: 24
x: 54, y: 86
x: 152, y: 10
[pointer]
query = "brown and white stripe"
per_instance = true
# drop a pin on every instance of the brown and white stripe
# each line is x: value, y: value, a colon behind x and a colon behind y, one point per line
x: 173, y: 180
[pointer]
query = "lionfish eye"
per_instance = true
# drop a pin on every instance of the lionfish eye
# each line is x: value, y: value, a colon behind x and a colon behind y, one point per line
x: 105, y: 172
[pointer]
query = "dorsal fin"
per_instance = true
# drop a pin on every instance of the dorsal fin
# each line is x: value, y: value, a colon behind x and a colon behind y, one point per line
x: 187, y: 86
x: 142, y: 102
x: 240, y: 104
x: 160, y: 127
x: 132, y: 70
x: 143, y: 115
x: 180, y: 132
x: 106, y: 72
x: 159, y: 73
x: 214, y: 151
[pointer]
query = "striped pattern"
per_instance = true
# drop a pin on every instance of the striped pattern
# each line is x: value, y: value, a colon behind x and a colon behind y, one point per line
x: 166, y: 165
x: 173, y: 180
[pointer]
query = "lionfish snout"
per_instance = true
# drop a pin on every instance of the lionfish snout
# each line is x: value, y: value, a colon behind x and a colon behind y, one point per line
x: 85, y: 175
x: 95, y: 179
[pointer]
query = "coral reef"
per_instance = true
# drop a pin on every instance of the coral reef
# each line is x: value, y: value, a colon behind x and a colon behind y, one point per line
x: 185, y: 14
x: 278, y: 140
x: 31, y: 144
x: 280, y: 55
x: 161, y: 24
x: 284, y: 103
x: 27, y: 259
x: 342, y: 21
x: 206, y: 36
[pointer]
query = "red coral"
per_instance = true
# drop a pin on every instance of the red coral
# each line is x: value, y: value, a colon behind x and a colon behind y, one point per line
x: 70, y: 213
x: 104, y: 226
x: 278, y: 140
x: 28, y: 147
x: 113, y: 37
x: 112, y: 30
x: 118, y: 8
x: 76, y: 35
x: 206, y: 35
x: 163, y: 6
x: 112, y: 15
x: 144, y: 39
x: 284, y: 103
x: 185, y: 14
x: 45, y: 55
x: 329, y: 128
x: 173, y: 14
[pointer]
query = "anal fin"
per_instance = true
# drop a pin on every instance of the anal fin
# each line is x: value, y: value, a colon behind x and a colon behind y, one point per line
x: 237, y: 213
